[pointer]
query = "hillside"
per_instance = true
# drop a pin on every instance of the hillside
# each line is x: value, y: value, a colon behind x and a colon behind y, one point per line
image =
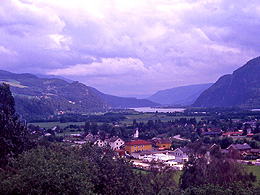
x: 41, y: 96
x: 124, y: 102
x: 179, y: 96
x: 242, y: 88
x: 36, y: 96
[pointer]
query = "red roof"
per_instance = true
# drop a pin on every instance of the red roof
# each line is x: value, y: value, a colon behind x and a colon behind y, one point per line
x: 232, y: 133
x: 138, y: 142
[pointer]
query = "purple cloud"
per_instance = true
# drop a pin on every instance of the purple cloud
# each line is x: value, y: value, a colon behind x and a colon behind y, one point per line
x: 129, y: 47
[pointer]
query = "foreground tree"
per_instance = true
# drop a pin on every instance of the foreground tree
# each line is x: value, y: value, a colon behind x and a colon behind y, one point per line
x: 157, y: 179
x: 217, y: 171
x: 62, y: 169
x: 112, y: 174
x: 52, y: 170
x: 14, y: 138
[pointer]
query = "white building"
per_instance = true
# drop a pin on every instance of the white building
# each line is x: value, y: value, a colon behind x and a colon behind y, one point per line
x: 99, y: 143
x: 181, y: 155
x: 136, y: 134
x: 158, y: 157
x: 115, y: 142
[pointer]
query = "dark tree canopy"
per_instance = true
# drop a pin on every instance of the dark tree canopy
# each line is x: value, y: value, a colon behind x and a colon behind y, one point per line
x: 6, y: 100
x: 62, y: 169
x: 14, y: 138
x: 217, y: 171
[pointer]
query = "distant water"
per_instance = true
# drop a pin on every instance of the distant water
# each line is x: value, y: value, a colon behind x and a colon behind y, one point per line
x: 164, y: 110
x: 255, y: 110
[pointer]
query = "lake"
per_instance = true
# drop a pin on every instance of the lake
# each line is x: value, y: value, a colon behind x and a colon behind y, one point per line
x: 164, y: 110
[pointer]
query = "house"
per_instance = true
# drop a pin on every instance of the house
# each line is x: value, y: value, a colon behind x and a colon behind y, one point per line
x: 255, y: 152
x: 164, y: 143
x: 120, y: 152
x: 99, y: 142
x: 76, y: 135
x: 211, y: 150
x: 174, y: 165
x: 96, y: 141
x: 240, y: 147
x: 158, y: 157
x: 138, y: 145
x: 181, y: 154
x: 235, y: 133
x: 80, y: 142
x: 236, y: 150
x: 250, y: 135
x: 89, y: 137
x: 115, y: 142
x: 212, y: 133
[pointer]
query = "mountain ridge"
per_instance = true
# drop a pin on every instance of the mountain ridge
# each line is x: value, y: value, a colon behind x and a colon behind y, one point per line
x: 182, y: 95
x: 241, y: 88
x: 50, y: 96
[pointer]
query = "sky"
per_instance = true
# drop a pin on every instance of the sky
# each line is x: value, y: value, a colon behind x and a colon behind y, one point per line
x: 127, y: 47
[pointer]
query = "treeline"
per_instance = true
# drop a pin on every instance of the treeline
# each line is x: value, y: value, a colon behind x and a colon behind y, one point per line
x: 241, y: 113
x: 109, y: 117
x: 104, y: 118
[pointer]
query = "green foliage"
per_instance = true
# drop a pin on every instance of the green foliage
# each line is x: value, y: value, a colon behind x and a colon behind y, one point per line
x: 112, y: 174
x: 217, y: 171
x: 54, y: 170
x: 225, y: 142
x: 62, y: 169
x: 14, y: 138
x: 6, y: 100
x: 234, y: 189
x: 157, y: 179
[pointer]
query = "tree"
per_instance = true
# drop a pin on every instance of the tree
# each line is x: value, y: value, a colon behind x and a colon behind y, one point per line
x: 135, y: 124
x: 150, y: 124
x: 225, y: 142
x: 52, y: 170
x: 157, y: 179
x: 6, y: 100
x: 87, y: 127
x: 217, y: 171
x: 14, y: 138
x: 62, y: 169
x: 94, y: 128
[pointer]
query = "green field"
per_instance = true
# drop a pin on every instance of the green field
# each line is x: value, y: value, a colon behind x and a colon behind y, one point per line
x: 142, y: 117
x: 13, y: 83
x: 145, y: 117
x: 177, y: 177
x: 255, y: 170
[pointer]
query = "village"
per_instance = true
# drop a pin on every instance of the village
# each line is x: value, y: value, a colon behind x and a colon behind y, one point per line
x: 159, y: 150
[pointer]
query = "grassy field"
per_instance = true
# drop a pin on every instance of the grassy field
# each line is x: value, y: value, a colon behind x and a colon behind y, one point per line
x: 13, y: 83
x: 144, y: 117
x: 177, y: 177
x: 255, y: 170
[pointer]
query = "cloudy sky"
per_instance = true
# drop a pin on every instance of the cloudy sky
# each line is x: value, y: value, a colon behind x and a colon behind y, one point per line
x: 126, y: 47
